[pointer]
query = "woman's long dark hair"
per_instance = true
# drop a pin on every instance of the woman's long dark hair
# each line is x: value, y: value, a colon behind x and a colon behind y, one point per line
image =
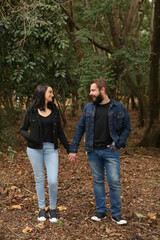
x: 38, y: 100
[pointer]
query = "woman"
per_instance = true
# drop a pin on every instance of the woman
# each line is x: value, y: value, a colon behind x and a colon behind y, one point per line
x: 43, y: 120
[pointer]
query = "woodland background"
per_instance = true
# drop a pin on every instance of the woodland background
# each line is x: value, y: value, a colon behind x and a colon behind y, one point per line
x: 66, y: 43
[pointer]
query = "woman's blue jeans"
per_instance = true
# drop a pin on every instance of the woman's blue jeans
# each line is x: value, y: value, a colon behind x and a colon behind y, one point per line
x: 48, y: 156
x: 100, y: 161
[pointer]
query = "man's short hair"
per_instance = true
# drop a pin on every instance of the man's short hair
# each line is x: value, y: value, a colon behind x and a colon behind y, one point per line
x: 101, y: 82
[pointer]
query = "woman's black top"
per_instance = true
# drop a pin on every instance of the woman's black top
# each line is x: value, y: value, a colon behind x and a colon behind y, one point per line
x: 47, y: 127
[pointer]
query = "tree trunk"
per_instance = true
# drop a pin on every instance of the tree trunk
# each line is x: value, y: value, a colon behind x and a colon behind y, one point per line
x: 70, y: 28
x: 151, y: 136
x: 143, y: 100
x: 133, y: 103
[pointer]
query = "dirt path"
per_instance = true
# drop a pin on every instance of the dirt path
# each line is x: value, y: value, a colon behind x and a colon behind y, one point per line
x: 140, y: 170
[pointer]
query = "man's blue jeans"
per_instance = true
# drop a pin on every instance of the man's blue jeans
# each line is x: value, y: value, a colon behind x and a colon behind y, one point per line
x: 48, y: 156
x: 109, y: 160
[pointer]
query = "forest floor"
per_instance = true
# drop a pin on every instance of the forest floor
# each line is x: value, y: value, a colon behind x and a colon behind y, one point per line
x: 140, y: 179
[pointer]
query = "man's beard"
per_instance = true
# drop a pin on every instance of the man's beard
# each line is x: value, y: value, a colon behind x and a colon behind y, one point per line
x: 98, y: 99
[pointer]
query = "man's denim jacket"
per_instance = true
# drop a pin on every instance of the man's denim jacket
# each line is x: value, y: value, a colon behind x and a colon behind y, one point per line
x: 119, y: 126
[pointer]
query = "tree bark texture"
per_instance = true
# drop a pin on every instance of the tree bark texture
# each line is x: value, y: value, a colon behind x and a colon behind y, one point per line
x: 152, y: 133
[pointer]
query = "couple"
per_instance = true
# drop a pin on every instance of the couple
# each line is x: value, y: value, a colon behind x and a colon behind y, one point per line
x: 106, y: 125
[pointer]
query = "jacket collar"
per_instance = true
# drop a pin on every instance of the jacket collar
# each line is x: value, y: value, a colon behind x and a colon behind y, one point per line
x: 113, y: 102
x: 52, y: 107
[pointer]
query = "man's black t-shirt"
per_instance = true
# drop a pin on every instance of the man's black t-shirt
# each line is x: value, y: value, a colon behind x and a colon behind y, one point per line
x: 102, y: 136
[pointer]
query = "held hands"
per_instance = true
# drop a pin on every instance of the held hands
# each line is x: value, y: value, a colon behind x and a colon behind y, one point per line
x: 73, y: 157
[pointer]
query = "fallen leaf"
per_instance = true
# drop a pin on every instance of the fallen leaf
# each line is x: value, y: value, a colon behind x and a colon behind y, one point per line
x: 62, y: 208
x: 1, y: 190
x: 139, y: 215
x: 92, y: 203
x: 47, y: 208
x: 14, y: 228
x: 20, y: 195
x: 41, y: 225
x: 151, y: 216
x: 19, y: 207
x: 115, y: 234
x: 108, y: 230
x: 11, y: 195
x: 13, y: 188
x: 27, y: 229
x: 35, y: 197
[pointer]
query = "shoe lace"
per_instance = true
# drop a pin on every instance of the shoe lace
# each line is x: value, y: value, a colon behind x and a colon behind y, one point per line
x: 53, y: 214
x: 42, y: 213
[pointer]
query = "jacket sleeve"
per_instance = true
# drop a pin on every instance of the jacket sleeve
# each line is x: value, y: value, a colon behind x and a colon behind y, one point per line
x: 25, y: 126
x: 61, y: 135
x: 80, y: 129
x: 125, y: 131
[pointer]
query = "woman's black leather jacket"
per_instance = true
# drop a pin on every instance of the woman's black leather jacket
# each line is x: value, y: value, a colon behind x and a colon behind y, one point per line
x: 31, y: 121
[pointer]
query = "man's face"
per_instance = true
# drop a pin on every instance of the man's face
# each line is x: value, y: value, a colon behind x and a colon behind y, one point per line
x: 95, y: 94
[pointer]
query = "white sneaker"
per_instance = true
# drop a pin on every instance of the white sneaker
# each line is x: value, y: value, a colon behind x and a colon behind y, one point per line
x: 42, y: 215
x: 53, y: 216
x: 99, y: 217
x: 119, y: 220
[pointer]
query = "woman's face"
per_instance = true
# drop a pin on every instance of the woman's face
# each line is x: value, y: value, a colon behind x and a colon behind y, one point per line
x: 49, y: 95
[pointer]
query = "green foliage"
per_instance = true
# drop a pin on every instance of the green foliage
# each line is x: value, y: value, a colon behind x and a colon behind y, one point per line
x: 91, y: 67
x: 7, y: 133
x: 102, y: 226
x: 132, y: 54
x: 33, y: 40
x: 95, y: 22
x: 11, y: 154
x: 59, y: 223
x: 36, y: 48
x: 134, y: 60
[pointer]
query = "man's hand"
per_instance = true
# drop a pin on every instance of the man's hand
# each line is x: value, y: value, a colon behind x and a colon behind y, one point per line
x: 73, y: 157
x: 114, y: 148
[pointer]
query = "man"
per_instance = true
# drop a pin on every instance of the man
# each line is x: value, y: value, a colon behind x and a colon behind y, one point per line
x: 106, y: 124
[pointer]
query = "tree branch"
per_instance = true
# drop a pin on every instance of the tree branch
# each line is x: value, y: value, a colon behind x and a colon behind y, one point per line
x: 131, y: 16
x: 77, y: 28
